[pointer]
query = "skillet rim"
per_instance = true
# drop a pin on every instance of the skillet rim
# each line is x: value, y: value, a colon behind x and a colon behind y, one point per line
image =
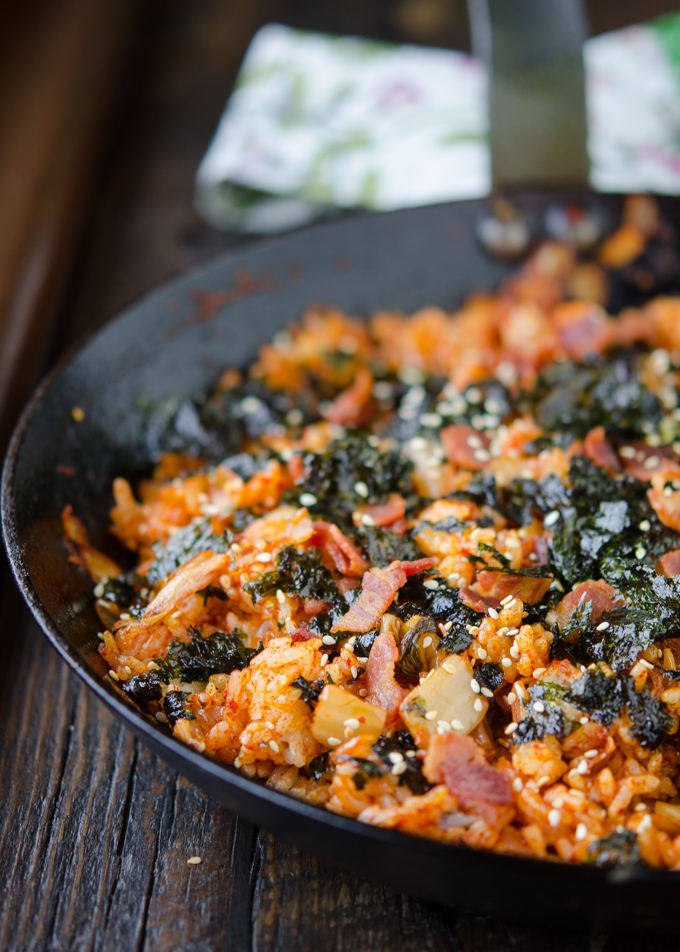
x: 172, y: 750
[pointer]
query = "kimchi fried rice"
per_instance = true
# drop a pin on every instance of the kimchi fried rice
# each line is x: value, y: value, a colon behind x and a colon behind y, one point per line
x: 424, y: 570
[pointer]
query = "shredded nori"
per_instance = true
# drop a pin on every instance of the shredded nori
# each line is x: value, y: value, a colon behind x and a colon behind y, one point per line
x: 218, y: 653
x: 619, y: 848
x: 310, y: 689
x: 183, y: 545
x: 402, y: 742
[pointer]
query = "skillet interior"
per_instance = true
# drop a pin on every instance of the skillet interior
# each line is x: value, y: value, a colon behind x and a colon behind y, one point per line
x: 169, y: 343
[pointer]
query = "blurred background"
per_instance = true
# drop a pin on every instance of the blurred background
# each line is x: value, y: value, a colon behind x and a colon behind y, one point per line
x: 106, y: 110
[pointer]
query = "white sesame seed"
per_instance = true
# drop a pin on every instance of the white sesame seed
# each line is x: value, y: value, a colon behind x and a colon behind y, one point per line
x: 646, y: 664
x: 328, y: 640
x: 514, y: 652
x: 125, y: 616
x: 538, y: 672
x: 640, y: 552
x: 517, y: 784
x: 551, y: 519
x: 269, y: 725
x: 645, y: 823
x: 161, y: 718
x: 443, y: 727
x: 651, y: 462
x: 324, y: 660
x: 427, y: 642
x: 482, y: 455
x: 194, y: 861
x: 628, y: 452
x: 475, y: 686
x: 448, y: 667
x: 367, y: 520
x: 539, y: 706
x: 478, y: 705
x: 457, y: 725
x: 334, y: 741
x: 474, y: 441
x: 482, y: 653
x: 508, y: 598
x: 382, y: 390
x: 354, y: 671
x: 583, y: 767
x: 99, y: 590
x: 602, y: 626
x: 645, y: 525
x: 554, y: 818
x: 274, y: 746
x: 487, y: 692
x: 430, y: 716
x: 308, y: 499
x: 395, y: 757
x: 493, y: 613
x: 506, y: 662
x: 511, y: 602
x: 361, y: 489
x: 502, y: 631
x: 583, y: 720
x: 512, y: 697
x: 581, y: 831
x: 511, y: 728
x: 431, y: 420
x: 590, y: 754
x: 352, y: 722
x: 399, y: 768
x: 410, y: 754
x: 431, y: 583
x: 113, y: 676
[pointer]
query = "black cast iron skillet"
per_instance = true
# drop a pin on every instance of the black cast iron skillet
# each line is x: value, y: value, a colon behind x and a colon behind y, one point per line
x: 170, y: 343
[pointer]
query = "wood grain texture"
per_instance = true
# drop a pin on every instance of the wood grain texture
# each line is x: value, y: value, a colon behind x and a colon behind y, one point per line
x: 95, y: 831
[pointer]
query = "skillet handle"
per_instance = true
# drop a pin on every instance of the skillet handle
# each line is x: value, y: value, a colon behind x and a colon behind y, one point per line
x: 533, y: 52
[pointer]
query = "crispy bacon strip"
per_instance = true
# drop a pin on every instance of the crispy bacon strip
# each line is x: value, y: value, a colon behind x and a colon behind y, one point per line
x: 600, y: 451
x: 477, y: 602
x: 379, y: 586
x: 383, y: 689
x: 666, y: 507
x: 669, y: 564
x: 349, y: 407
x: 188, y: 579
x: 460, y: 764
x: 600, y: 594
x: 347, y: 559
x: 498, y: 585
x: 386, y: 513
x: 465, y: 446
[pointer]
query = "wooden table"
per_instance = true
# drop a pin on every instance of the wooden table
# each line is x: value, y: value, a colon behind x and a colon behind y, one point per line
x: 95, y: 832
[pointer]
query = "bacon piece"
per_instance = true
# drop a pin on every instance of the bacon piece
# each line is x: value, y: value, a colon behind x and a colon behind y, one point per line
x: 301, y: 634
x: 347, y: 583
x: 583, y: 328
x: 379, y: 586
x: 465, y: 446
x: 600, y: 594
x: 652, y: 462
x: 477, y: 602
x: 596, y: 448
x: 314, y: 606
x: 459, y: 763
x: 386, y: 513
x: 666, y: 507
x: 383, y: 689
x: 352, y: 406
x: 498, y: 585
x: 347, y: 558
x: 188, y: 579
x: 669, y: 564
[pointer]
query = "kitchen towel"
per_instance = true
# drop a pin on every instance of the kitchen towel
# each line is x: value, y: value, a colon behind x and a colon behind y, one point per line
x: 319, y: 123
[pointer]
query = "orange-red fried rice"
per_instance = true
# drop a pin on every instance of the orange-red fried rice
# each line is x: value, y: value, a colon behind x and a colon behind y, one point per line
x: 408, y: 590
